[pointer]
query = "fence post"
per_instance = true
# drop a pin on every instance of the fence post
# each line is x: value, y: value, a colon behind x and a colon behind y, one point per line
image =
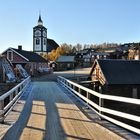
x: 11, y: 97
x: 1, y: 108
x: 20, y: 88
x: 79, y: 90
x: 88, y: 97
x: 16, y: 92
x: 70, y: 86
x: 101, y: 101
x: 73, y: 87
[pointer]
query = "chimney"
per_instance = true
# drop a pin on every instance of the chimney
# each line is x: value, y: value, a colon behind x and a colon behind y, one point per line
x: 20, y: 47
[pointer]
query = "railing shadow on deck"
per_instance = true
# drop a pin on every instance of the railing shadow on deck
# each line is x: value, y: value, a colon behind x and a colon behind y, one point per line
x: 43, y: 118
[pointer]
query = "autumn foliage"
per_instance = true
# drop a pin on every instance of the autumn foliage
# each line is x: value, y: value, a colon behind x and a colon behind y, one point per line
x: 68, y: 49
x: 64, y: 49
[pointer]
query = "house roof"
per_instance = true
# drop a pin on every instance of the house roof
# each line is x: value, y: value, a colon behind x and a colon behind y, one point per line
x: 120, y: 71
x: 51, y: 45
x: 31, y: 56
x: 66, y: 59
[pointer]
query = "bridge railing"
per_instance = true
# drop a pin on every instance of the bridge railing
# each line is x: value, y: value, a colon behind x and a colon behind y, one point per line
x: 85, y: 94
x: 9, y: 99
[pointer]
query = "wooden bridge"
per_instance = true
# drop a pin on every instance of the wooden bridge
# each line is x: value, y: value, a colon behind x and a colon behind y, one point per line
x: 50, y: 114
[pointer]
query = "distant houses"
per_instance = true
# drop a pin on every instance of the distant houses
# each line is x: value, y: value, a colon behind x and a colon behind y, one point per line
x: 127, y: 51
x: 116, y: 77
x: 86, y: 57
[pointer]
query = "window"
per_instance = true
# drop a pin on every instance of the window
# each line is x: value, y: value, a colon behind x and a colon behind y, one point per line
x: 37, y: 41
x: 10, y: 55
x: 44, y: 41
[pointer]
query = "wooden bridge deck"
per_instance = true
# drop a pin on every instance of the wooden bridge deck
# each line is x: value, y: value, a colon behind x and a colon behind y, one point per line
x: 50, y: 114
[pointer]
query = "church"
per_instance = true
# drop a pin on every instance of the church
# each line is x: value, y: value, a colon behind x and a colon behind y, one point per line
x: 31, y: 60
x: 41, y: 43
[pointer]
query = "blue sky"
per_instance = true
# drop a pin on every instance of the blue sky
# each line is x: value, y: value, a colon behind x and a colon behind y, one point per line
x: 70, y: 21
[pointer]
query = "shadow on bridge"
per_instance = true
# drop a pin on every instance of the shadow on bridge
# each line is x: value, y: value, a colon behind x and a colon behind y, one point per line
x: 50, y: 114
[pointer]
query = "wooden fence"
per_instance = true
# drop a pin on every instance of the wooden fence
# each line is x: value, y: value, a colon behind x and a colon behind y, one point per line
x: 9, y: 99
x: 84, y: 94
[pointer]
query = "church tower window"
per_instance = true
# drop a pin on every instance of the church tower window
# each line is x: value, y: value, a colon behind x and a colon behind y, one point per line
x: 44, y: 41
x: 37, y: 41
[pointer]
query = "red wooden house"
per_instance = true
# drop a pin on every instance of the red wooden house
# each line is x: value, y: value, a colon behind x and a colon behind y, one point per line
x: 29, y: 60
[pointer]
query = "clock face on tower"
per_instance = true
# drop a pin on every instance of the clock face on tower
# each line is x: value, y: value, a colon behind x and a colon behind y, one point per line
x: 37, y: 33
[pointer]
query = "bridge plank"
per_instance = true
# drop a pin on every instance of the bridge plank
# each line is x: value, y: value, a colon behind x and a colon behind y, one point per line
x: 50, y: 114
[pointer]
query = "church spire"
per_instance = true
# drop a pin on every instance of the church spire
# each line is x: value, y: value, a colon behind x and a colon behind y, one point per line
x: 40, y: 22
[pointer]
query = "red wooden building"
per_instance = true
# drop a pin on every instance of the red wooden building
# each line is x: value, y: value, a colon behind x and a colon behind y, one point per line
x: 29, y: 60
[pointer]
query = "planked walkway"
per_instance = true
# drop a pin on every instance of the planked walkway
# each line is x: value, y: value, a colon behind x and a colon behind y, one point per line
x: 50, y: 114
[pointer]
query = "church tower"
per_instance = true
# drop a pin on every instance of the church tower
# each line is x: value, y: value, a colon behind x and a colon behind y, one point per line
x: 39, y: 37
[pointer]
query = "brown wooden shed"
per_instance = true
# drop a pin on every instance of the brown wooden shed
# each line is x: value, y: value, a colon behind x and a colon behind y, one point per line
x: 117, y: 77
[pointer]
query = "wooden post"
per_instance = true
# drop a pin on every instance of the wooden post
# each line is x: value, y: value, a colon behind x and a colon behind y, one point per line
x: 11, y: 97
x: 88, y: 97
x: 69, y: 86
x: 20, y: 87
x: 16, y: 91
x: 66, y: 84
x: 100, y: 104
x: 73, y: 87
x: 79, y: 90
x: 1, y: 108
x: 101, y: 101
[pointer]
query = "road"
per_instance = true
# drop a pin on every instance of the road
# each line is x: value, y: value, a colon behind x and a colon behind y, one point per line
x: 66, y: 74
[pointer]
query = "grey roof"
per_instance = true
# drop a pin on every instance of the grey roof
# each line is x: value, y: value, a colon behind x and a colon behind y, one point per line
x: 120, y: 71
x: 66, y: 59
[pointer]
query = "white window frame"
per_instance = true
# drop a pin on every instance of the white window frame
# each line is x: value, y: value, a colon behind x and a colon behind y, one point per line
x: 44, y: 41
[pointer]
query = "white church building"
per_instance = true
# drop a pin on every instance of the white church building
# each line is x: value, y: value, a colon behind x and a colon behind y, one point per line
x: 41, y: 44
